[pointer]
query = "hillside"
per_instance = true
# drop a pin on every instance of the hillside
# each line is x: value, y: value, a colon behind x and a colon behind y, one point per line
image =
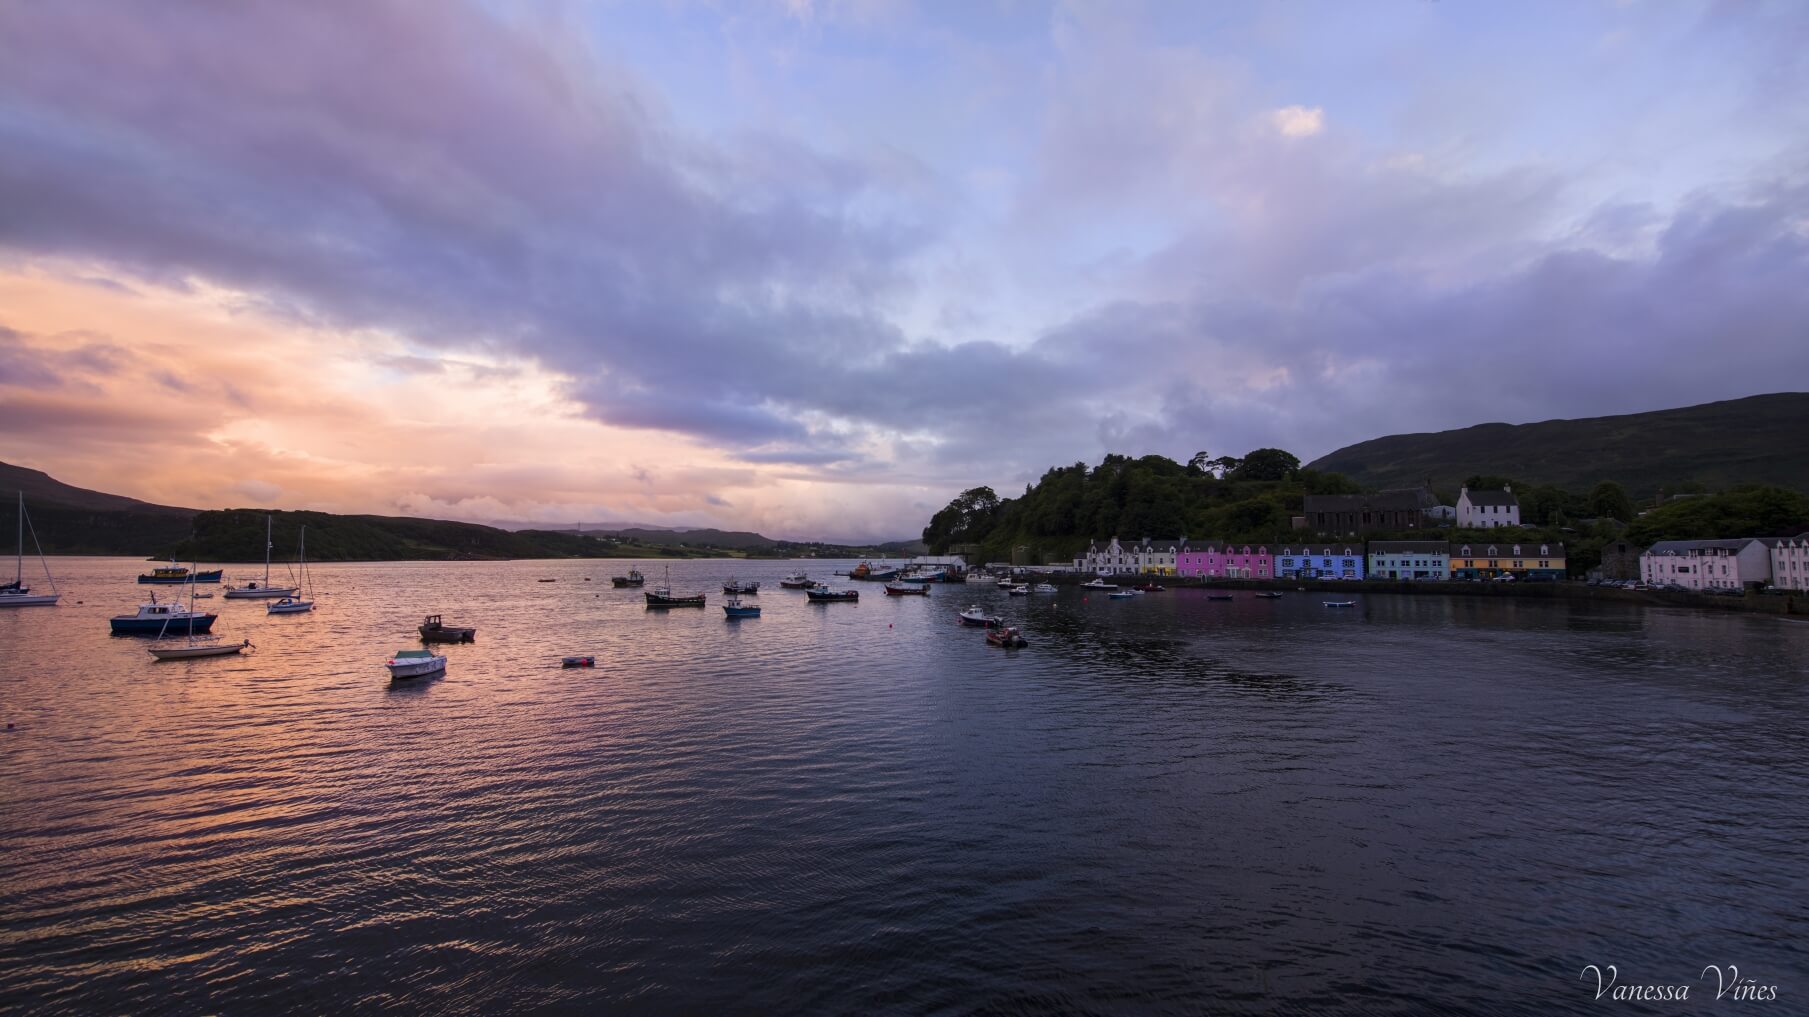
x: 1756, y: 440
x: 42, y: 488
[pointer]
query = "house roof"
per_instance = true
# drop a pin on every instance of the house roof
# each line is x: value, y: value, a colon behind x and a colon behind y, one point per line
x: 1409, y: 547
x: 1505, y: 548
x: 1682, y: 546
x: 1503, y: 498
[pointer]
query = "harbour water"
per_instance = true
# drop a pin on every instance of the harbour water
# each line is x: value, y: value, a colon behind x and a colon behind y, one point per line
x: 1162, y: 805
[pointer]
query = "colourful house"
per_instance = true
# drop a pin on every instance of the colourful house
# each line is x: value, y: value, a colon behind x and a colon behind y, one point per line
x: 1225, y: 561
x: 1523, y: 561
x: 1320, y: 561
x: 1409, y: 559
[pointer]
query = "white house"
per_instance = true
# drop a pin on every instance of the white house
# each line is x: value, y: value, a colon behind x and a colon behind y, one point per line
x: 1485, y: 510
x: 1707, y: 564
x: 1790, y: 563
x: 1116, y: 556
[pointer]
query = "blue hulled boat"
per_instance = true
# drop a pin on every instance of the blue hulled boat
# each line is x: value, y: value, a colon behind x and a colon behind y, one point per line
x: 156, y: 619
x: 174, y: 575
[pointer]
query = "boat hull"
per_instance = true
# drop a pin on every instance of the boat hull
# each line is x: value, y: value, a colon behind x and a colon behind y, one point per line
x: 260, y: 592
x: 28, y: 599
x: 131, y: 626
x: 193, y: 652
x: 416, y: 668
x: 831, y: 598
x: 293, y: 607
x: 199, y: 577
x: 741, y: 612
x: 797, y: 584
x: 448, y: 635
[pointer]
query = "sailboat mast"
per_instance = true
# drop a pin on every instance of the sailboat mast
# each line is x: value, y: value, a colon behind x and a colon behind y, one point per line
x: 19, y: 562
x: 267, y: 552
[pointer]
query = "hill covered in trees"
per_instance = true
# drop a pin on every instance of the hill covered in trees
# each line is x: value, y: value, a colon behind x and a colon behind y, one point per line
x: 1252, y: 500
x: 1711, y: 447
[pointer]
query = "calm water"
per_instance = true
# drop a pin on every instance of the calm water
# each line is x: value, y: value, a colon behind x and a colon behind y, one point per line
x: 1163, y: 805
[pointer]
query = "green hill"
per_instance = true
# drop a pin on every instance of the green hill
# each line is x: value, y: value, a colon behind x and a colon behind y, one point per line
x: 1756, y: 440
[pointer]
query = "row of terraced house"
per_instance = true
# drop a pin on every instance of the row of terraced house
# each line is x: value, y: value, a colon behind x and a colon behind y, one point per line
x: 1375, y: 559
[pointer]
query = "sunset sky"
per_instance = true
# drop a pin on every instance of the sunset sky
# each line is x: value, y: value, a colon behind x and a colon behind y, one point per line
x: 811, y: 268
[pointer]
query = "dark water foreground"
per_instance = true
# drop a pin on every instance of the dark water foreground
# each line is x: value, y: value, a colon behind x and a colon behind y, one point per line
x: 1164, y: 805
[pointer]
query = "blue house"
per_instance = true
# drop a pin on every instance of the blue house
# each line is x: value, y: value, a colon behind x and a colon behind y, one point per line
x: 1409, y: 559
x: 1320, y: 561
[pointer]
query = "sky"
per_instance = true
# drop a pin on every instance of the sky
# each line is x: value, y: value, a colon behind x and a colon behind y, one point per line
x: 811, y: 267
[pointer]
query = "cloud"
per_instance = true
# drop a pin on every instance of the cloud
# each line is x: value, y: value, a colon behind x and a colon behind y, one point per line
x: 1298, y: 121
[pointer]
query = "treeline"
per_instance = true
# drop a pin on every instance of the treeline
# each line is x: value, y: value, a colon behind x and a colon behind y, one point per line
x: 1252, y: 500
x: 238, y: 535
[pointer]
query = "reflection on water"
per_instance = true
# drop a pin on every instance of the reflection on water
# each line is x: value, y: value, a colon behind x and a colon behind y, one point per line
x: 1164, y: 804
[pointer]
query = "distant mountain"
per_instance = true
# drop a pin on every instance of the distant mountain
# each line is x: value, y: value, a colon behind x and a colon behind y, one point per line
x: 738, y: 540
x: 41, y: 487
x: 1759, y: 439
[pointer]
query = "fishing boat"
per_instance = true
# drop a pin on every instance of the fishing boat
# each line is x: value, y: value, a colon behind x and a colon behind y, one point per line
x: 906, y: 590
x: 1098, y: 584
x: 633, y: 578
x: 976, y: 615
x: 414, y: 663
x: 433, y: 630
x: 578, y: 661
x: 873, y: 573
x: 175, y: 575
x: 1043, y: 588
x: 1005, y: 583
x: 935, y: 576
x: 738, y: 586
x: 254, y: 591
x: 1339, y: 603
x: 17, y: 594
x: 297, y: 605
x: 822, y: 594
x: 977, y: 576
x: 797, y: 581
x: 1020, y: 590
x: 1006, y: 636
x: 200, y: 649
x: 1269, y: 595
x: 732, y: 607
x: 662, y: 596
x: 154, y: 618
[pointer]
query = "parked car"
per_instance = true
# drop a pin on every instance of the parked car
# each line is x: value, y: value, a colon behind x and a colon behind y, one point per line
x: 1503, y: 579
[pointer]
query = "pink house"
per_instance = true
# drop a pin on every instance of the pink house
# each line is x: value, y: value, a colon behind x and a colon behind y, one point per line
x: 1224, y: 561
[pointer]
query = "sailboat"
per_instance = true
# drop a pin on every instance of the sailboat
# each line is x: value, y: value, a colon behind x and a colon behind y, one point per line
x: 194, y: 646
x: 16, y: 593
x: 254, y: 591
x: 297, y: 605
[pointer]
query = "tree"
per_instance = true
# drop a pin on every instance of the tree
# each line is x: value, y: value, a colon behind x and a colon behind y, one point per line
x: 1610, y: 500
x: 964, y: 520
x: 1268, y: 464
x: 1199, y: 463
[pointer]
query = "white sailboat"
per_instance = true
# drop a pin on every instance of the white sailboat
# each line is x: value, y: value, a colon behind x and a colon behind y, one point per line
x: 194, y: 645
x: 264, y: 591
x: 294, y: 604
x: 17, y: 594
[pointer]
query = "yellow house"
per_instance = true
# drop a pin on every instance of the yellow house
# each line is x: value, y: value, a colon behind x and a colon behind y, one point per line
x: 1537, y: 560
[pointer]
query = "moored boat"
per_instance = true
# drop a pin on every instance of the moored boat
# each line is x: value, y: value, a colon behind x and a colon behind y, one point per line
x: 1020, y: 590
x: 732, y: 607
x: 16, y: 593
x: 433, y: 630
x: 297, y: 604
x: 976, y: 615
x: 907, y: 590
x: 1269, y: 595
x: 193, y: 650
x: 414, y: 664
x: 289, y: 605
x: 822, y: 594
x: 977, y: 576
x: 174, y: 574
x: 585, y: 661
x: 253, y: 590
x: 1098, y: 584
x: 1121, y: 594
x: 873, y: 573
x: 1339, y: 603
x: 154, y: 618
x: 1006, y: 636
x: 797, y: 581
x: 740, y: 586
x: 662, y: 596
x: 1044, y: 588
x: 633, y: 578
x: 1151, y: 588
